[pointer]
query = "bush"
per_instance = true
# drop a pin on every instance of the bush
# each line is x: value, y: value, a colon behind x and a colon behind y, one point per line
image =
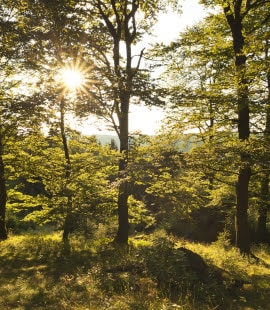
x: 16, y: 225
x: 166, y: 264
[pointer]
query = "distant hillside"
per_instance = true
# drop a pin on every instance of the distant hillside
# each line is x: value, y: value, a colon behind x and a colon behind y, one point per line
x: 183, y: 145
x: 107, y: 139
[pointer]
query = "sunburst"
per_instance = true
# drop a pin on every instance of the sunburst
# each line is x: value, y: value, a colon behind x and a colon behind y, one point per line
x: 74, y: 78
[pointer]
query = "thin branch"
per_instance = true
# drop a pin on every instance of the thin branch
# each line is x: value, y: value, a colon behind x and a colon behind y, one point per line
x: 138, y: 63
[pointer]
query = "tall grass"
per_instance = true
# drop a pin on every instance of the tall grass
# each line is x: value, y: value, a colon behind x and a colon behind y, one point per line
x: 151, y: 273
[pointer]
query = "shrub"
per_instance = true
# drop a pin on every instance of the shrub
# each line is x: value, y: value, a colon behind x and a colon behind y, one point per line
x: 16, y: 225
x: 166, y: 264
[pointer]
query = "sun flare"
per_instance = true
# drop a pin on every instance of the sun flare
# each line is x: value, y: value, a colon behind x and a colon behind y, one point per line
x: 72, y: 79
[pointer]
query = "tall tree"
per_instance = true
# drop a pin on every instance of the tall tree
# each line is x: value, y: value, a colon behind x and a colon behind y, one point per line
x: 120, y: 27
x: 3, y: 195
x: 264, y: 191
x: 235, y: 13
x: 199, y: 79
x: 17, y: 108
x: 124, y: 28
x: 56, y: 44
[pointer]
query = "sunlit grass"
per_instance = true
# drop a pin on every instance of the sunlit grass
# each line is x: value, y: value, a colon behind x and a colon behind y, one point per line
x: 37, y: 273
x: 253, y: 276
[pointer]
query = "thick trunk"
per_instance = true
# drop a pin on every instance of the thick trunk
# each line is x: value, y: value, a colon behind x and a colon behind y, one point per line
x: 124, y: 95
x: 68, y: 226
x: 244, y: 174
x: 122, y: 28
x: 264, y: 203
x: 123, y: 221
x: 3, y: 199
x: 69, y: 219
x: 3, y: 194
x: 234, y: 18
x: 241, y: 218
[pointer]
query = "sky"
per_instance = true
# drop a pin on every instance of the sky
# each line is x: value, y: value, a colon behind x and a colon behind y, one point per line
x: 149, y: 120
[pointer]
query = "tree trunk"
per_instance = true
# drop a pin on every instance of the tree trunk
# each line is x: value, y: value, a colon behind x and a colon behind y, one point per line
x: 244, y: 174
x: 261, y: 233
x: 123, y: 223
x: 241, y: 219
x: 69, y: 219
x: 122, y: 27
x: 123, y: 193
x: 3, y: 194
x: 234, y: 18
x: 68, y: 226
x: 264, y: 201
x: 3, y: 198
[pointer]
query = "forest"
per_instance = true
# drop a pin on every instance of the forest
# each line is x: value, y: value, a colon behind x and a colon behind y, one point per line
x: 178, y: 220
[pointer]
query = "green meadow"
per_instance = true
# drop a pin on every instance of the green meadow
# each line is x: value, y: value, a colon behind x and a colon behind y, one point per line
x: 38, y: 271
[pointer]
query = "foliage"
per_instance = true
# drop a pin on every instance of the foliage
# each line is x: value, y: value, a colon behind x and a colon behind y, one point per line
x: 140, y: 217
x: 161, y: 179
x: 165, y: 264
x: 37, y: 186
x: 215, y: 78
x: 166, y: 182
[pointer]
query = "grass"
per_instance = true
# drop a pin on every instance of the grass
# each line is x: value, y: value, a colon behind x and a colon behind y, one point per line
x: 252, y: 289
x: 37, y: 273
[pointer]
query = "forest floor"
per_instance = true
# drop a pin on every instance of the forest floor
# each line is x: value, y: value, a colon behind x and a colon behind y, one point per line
x: 38, y: 271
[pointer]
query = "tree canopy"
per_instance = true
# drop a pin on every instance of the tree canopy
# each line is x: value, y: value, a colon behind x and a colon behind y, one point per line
x: 212, y: 82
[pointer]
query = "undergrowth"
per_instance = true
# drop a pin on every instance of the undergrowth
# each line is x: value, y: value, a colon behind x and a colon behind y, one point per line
x: 151, y: 273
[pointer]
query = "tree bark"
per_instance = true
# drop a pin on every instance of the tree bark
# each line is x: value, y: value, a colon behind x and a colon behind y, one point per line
x: 241, y: 219
x: 234, y: 19
x: 263, y: 211
x: 3, y: 195
x: 122, y: 27
x: 69, y: 219
x: 123, y: 193
x: 264, y: 194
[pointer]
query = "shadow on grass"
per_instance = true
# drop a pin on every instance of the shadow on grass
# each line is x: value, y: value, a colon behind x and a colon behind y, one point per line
x: 37, y: 273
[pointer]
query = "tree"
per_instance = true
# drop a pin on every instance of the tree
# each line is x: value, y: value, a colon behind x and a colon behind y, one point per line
x: 202, y: 112
x: 235, y: 13
x: 91, y: 38
x: 209, y: 102
x: 54, y: 38
x: 18, y: 108
x: 41, y: 165
x: 162, y: 181
x: 264, y: 182
x: 118, y: 69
